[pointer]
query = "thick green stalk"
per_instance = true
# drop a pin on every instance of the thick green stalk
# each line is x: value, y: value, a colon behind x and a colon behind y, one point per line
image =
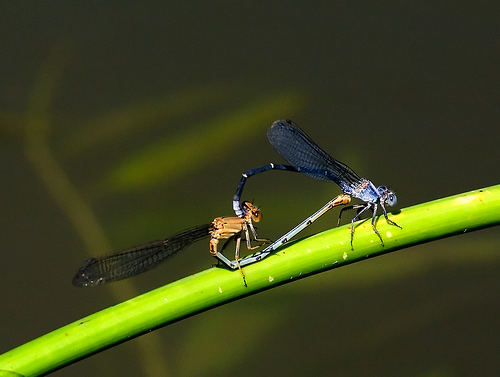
x: 216, y: 286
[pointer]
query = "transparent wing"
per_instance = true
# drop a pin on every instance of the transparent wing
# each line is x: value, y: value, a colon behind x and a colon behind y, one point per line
x: 300, y: 151
x: 136, y: 260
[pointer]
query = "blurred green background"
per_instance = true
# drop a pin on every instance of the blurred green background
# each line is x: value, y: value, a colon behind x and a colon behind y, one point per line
x: 124, y: 123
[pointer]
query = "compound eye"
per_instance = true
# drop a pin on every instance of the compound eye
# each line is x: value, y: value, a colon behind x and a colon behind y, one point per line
x: 256, y: 215
x: 391, y: 199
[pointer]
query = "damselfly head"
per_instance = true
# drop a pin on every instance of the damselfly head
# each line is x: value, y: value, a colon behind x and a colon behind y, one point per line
x: 387, y: 196
x: 254, y: 212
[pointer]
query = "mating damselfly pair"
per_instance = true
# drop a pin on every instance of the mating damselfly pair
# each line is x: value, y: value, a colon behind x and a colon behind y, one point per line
x: 304, y: 156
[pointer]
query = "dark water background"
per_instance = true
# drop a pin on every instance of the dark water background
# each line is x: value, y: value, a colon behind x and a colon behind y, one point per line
x: 149, y: 111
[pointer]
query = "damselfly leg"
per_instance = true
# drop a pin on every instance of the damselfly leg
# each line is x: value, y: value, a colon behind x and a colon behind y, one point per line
x: 233, y: 228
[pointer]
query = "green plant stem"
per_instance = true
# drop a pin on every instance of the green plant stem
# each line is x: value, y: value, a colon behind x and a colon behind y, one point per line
x: 213, y: 287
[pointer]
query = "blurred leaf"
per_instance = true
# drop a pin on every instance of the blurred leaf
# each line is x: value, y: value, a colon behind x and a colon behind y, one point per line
x: 125, y: 121
x: 171, y: 158
x: 37, y: 124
